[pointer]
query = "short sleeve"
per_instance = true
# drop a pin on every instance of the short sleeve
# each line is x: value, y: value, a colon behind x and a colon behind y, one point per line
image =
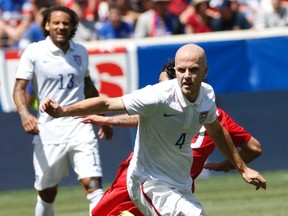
x: 26, y: 64
x: 142, y: 102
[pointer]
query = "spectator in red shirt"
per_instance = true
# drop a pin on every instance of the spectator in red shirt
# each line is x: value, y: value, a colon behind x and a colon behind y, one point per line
x: 200, y: 19
x: 175, y: 8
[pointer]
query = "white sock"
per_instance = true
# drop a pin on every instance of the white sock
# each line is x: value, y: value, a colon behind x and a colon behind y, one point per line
x: 93, y: 198
x: 43, y: 208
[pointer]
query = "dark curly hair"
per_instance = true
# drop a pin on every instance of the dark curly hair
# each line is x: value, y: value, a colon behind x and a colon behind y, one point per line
x: 169, y: 69
x: 46, y: 14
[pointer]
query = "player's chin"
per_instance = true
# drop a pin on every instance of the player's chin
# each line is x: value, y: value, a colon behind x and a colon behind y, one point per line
x: 61, y: 39
x: 187, y: 89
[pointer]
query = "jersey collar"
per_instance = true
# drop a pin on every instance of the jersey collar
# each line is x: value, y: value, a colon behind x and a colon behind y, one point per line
x: 54, y: 48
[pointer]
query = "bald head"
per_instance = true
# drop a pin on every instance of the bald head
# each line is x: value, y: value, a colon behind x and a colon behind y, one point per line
x: 191, y: 69
x: 191, y: 52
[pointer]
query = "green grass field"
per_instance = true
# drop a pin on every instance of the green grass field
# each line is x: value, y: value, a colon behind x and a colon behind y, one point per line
x: 220, y: 195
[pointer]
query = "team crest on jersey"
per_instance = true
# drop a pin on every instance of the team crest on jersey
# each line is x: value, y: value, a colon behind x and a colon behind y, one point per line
x: 180, y: 214
x: 203, y: 117
x: 77, y: 59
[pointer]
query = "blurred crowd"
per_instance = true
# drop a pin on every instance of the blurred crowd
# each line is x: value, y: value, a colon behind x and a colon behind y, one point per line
x: 114, y: 19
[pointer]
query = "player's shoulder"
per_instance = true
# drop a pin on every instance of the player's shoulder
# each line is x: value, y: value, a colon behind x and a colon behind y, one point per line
x: 207, y: 91
x: 161, y: 90
x: 221, y: 111
x: 33, y: 49
x: 77, y: 47
x: 166, y: 88
x: 36, y: 45
x: 206, y: 86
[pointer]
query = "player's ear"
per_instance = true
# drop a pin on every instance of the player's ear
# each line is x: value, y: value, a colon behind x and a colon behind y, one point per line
x: 47, y: 26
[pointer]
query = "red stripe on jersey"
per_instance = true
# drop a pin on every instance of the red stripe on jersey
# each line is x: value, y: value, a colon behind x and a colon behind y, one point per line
x: 149, y: 200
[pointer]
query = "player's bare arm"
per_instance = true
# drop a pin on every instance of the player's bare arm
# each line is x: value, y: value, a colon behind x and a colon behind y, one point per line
x: 223, y: 141
x: 85, y: 107
x: 123, y: 120
x: 91, y: 91
x: 29, y: 122
x: 248, y: 152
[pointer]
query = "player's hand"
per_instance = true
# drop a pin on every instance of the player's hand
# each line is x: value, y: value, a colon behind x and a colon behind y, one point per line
x: 29, y: 123
x: 97, y: 120
x: 51, y: 107
x: 105, y: 131
x: 253, y: 177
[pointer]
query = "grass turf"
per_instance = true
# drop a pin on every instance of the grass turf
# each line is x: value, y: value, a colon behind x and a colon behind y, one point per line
x: 223, y: 195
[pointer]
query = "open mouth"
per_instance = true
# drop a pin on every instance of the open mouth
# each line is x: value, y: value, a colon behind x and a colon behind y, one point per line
x: 187, y: 84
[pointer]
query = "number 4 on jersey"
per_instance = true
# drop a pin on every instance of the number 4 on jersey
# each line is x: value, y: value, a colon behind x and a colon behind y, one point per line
x: 181, y: 140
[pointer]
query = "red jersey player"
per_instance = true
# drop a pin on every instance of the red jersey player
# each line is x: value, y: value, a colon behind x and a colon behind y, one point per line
x: 116, y: 198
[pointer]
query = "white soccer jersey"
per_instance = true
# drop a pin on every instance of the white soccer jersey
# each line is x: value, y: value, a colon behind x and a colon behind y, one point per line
x: 60, y: 76
x: 168, y: 122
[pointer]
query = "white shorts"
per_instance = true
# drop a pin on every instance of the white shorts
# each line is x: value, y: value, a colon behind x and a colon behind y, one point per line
x: 51, y: 162
x: 156, y: 198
